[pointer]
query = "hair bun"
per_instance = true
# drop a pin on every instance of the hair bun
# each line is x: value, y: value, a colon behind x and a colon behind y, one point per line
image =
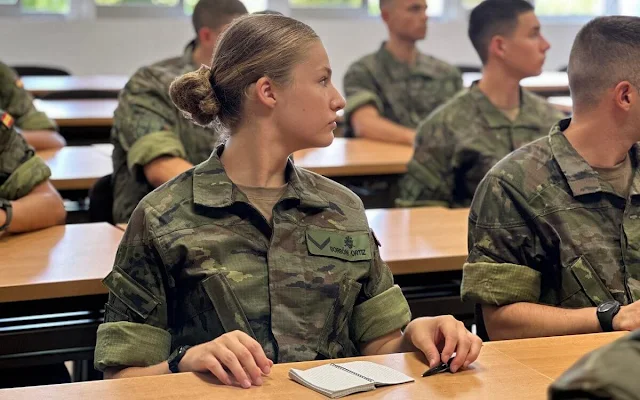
x: 193, y: 94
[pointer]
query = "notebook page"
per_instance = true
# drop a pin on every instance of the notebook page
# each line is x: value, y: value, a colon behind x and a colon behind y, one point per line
x: 330, y: 381
x: 380, y: 374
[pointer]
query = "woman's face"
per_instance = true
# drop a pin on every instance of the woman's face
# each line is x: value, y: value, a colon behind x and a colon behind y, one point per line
x: 306, y: 108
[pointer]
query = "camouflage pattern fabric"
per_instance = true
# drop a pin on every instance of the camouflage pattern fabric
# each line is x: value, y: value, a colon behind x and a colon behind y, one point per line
x: 20, y: 169
x: 605, y: 373
x: 147, y: 125
x: 402, y: 93
x: 198, y: 260
x: 457, y: 145
x: 544, y: 227
x: 15, y: 100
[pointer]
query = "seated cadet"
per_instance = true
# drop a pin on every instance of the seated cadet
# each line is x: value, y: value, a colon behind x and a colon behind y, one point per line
x: 554, y: 227
x: 27, y: 202
x: 389, y: 92
x: 458, y: 143
x: 35, y: 126
x: 246, y: 259
x: 152, y: 141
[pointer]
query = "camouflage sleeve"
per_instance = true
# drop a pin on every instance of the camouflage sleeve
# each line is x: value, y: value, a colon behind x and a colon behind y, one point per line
x: 360, y: 89
x: 135, y: 331
x: 429, y: 180
x: 382, y: 308
x: 20, y: 169
x: 19, y: 103
x: 505, y: 256
x: 145, y: 121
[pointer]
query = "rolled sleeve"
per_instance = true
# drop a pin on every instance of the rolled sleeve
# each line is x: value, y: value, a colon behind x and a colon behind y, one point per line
x: 36, y: 120
x: 27, y: 176
x: 380, y: 315
x: 360, y: 90
x: 152, y: 146
x: 130, y: 344
x: 500, y: 284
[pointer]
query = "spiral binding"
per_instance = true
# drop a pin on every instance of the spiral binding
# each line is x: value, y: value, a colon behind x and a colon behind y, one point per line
x: 353, y: 373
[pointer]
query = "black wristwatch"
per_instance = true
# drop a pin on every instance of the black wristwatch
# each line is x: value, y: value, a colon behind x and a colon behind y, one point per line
x: 8, y: 209
x: 606, y: 311
x: 175, y: 357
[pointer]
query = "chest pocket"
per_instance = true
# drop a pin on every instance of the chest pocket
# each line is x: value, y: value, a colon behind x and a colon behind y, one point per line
x: 581, y: 286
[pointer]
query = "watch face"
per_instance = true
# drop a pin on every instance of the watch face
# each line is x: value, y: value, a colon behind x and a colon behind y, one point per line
x: 604, y: 307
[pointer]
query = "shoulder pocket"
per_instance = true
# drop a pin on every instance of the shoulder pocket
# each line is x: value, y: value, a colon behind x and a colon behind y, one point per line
x: 348, y: 246
x: 582, y: 287
x: 131, y: 293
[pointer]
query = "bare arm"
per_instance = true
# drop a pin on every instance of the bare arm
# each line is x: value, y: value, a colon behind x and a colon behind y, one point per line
x: 368, y: 123
x: 41, y: 208
x: 44, y: 140
x: 523, y: 320
x: 165, y: 168
x: 130, y: 372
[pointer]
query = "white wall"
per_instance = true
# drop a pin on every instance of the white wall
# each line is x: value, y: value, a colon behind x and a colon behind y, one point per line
x: 119, y: 46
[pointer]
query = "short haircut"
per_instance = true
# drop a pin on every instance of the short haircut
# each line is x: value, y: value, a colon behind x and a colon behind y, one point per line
x: 604, y: 53
x: 491, y: 18
x: 216, y: 13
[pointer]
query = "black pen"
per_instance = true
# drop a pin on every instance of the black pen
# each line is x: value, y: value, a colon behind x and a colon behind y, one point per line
x: 442, y: 367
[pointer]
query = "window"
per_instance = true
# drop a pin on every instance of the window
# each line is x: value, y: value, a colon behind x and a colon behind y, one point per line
x: 38, y: 6
x: 570, y: 8
x: 150, y: 8
x: 435, y: 8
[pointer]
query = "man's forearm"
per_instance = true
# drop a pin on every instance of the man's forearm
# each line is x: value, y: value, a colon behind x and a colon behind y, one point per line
x: 41, y: 208
x: 44, y: 140
x: 131, y: 372
x: 380, y: 128
x: 165, y: 168
x: 524, y: 320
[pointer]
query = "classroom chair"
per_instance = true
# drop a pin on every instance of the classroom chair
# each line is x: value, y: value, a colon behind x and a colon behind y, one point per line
x: 35, y: 70
x: 468, y: 68
x: 101, y: 201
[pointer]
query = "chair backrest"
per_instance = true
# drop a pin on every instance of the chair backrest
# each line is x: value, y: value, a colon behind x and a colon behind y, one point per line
x: 469, y: 68
x: 80, y: 95
x: 101, y: 201
x: 34, y: 70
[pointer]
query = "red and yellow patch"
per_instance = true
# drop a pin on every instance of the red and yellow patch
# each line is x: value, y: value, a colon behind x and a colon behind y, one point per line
x: 7, y: 120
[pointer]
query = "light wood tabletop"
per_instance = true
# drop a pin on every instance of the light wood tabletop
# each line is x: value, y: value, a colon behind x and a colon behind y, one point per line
x: 76, y: 167
x: 42, y: 85
x: 346, y: 157
x: 494, y: 375
x: 62, y: 261
x: 104, y: 148
x: 424, y: 239
x: 562, y: 103
x: 547, y: 82
x: 83, y: 113
x: 355, y: 157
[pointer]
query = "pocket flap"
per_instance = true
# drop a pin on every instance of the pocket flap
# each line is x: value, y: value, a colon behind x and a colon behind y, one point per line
x: 130, y: 292
x: 590, y: 282
x: 226, y: 304
x: 348, y: 246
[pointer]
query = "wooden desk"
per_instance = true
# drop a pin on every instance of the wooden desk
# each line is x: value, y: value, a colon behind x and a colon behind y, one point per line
x: 61, y: 261
x: 494, y: 376
x: 42, y: 85
x: 82, y: 113
x: 548, y: 82
x: 76, y: 167
x: 417, y: 240
x: 562, y: 103
x: 355, y: 157
x: 554, y: 355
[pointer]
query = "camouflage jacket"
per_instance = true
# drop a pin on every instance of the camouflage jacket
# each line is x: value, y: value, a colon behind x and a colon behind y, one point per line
x: 198, y: 260
x: 606, y: 373
x: 402, y: 93
x: 15, y: 100
x: 458, y: 144
x: 20, y: 169
x: 545, y: 228
x: 147, y: 125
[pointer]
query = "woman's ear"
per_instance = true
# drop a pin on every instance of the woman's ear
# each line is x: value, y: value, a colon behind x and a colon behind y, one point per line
x: 264, y: 92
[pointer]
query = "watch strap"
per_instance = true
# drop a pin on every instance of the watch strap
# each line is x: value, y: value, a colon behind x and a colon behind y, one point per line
x: 606, y: 318
x: 176, y: 357
x: 8, y: 209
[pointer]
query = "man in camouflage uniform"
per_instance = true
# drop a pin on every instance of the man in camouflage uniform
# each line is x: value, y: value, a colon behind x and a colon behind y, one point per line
x: 35, y: 126
x: 457, y: 144
x: 311, y: 285
x: 152, y: 141
x: 389, y: 92
x: 553, y: 227
x: 27, y: 202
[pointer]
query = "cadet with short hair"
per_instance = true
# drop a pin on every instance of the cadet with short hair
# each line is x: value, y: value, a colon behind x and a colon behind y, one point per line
x: 152, y: 141
x: 458, y: 143
x: 38, y: 130
x: 554, y: 227
x: 248, y: 258
x: 389, y: 92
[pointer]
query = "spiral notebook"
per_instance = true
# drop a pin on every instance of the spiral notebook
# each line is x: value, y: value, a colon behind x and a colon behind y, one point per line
x: 339, y: 380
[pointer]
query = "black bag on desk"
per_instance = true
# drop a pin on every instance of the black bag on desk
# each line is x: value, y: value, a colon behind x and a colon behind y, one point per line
x: 611, y: 372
